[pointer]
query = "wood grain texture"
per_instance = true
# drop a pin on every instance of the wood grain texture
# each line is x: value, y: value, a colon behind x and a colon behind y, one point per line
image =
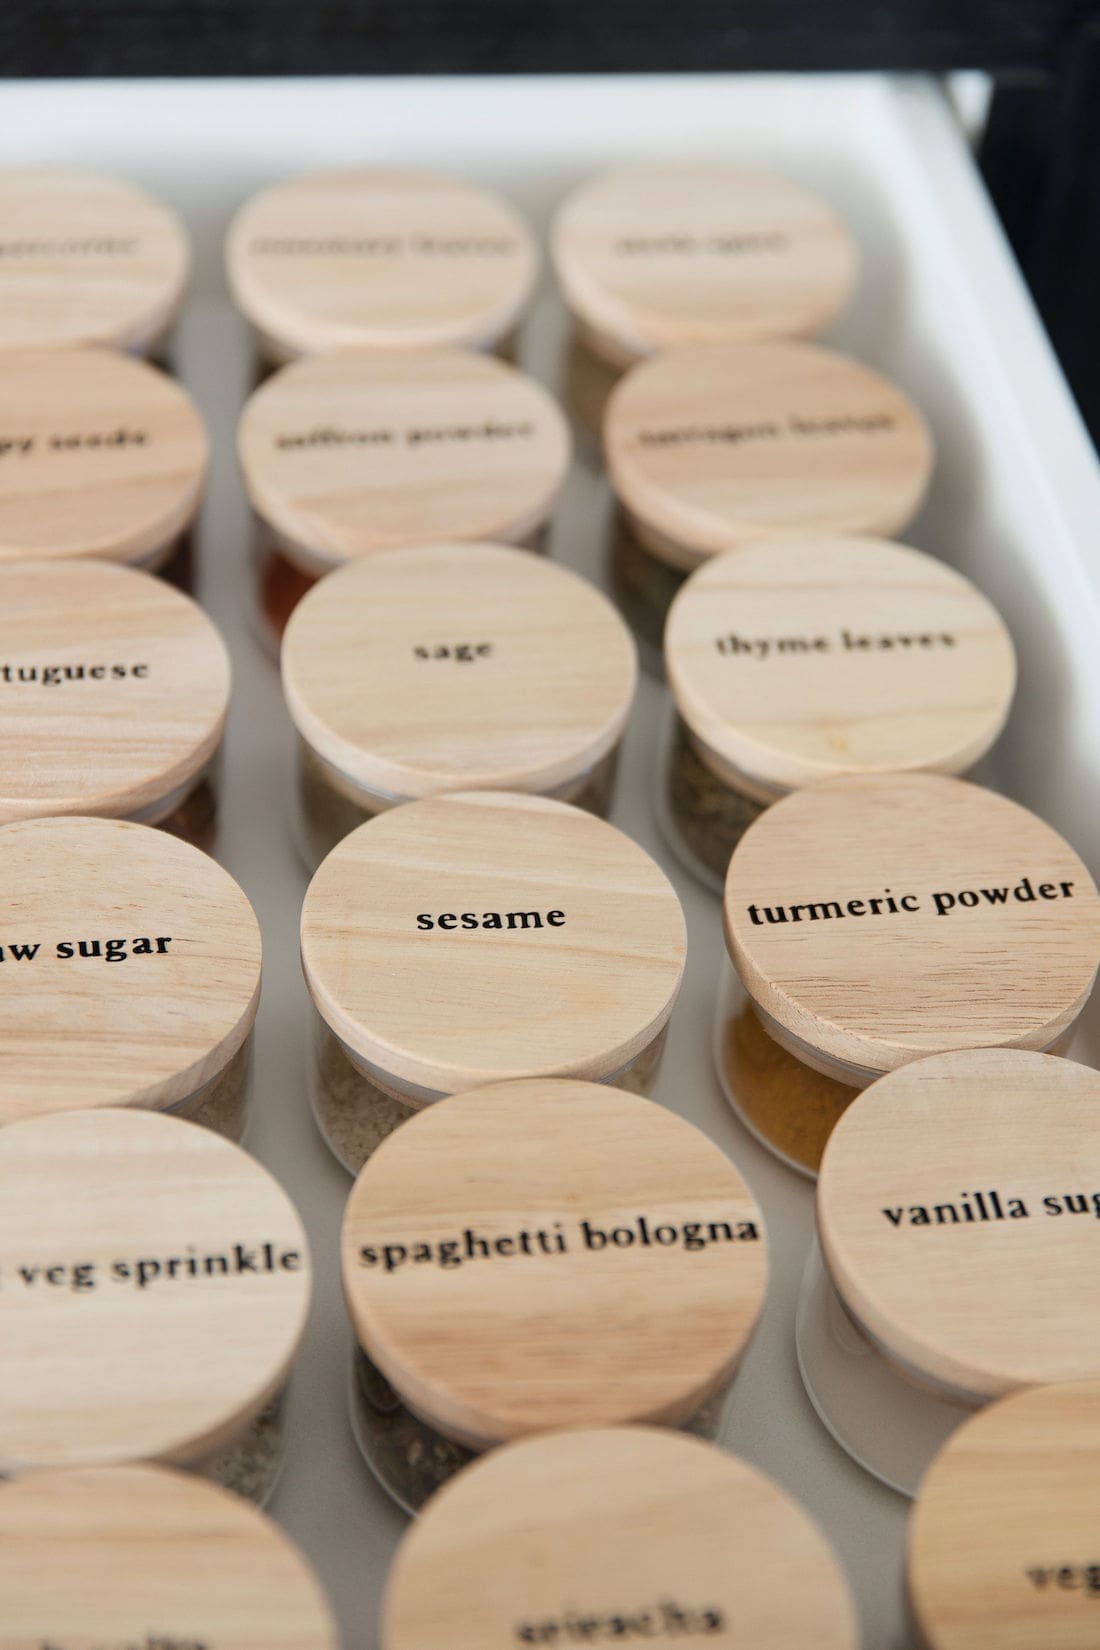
x: 118, y: 1370
x: 712, y: 446
x: 648, y: 257
x: 144, y: 1031
x: 621, y: 1522
x: 547, y: 698
x: 119, y: 743
x: 351, y: 453
x: 97, y: 1556
x: 381, y: 259
x: 99, y: 456
x: 860, y: 993
x: 447, y: 1010
x: 1002, y: 1543
x: 797, y: 660
x: 963, y: 1299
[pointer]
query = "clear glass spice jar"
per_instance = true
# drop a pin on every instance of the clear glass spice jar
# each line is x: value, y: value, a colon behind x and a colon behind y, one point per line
x: 712, y: 447
x: 791, y: 662
x: 955, y: 1212
x: 131, y: 974
x: 345, y: 455
x: 649, y: 257
x: 163, y: 1290
x: 476, y: 937
x: 498, y: 1287
x: 451, y: 666
x: 876, y: 919
x: 114, y: 691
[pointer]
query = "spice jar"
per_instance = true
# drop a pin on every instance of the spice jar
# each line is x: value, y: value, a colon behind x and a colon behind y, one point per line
x: 956, y: 1212
x: 112, y: 1550
x: 476, y: 937
x: 156, y: 1288
x: 503, y: 1280
x: 876, y: 919
x: 100, y: 458
x: 345, y: 455
x: 452, y: 667
x: 613, y: 1535
x: 1002, y: 1542
x: 114, y: 690
x: 711, y: 447
x: 651, y: 257
x: 379, y: 259
x: 86, y: 259
x: 129, y: 974
x: 791, y: 662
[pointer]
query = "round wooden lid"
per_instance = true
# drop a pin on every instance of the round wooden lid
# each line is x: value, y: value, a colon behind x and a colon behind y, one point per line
x: 447, y: 666
x: 85, y: 259
x: 150, y: 1559
x: 648, y: 257
x: 114, y: 689
x: 129, y: 967
x: 347, y: 454
x: 155, y: 1287
x: 99, y: 456
x: 956, y: 1209
x: 710, y: 447
x: 380, y: 259
x: 611, y: 1536
x: 1002, y: 1541
x: 483, y: 935
x: 508, y: 1279
x: 880, y: 918
x: 794, y: 661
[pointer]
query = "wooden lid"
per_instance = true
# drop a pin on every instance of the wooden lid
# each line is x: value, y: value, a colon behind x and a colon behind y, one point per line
x: 99, y: 456
x: 380, y: 259
x: 130, y: 969
x: 347, y: 454
x: 992, y: 938
x: 794, y: 661
x: 956, y: 1211
x: 546, y: 1254
x: 611, y: 1536
x: 469, y: 938
x: 452, y: 665
x: 1002, y: 1542
x: 155, y: 1290
x: 710, y: 447
x: 85, y: 259
x: 116, y: 1551
x: 114, y: 689
x: 653, y: 256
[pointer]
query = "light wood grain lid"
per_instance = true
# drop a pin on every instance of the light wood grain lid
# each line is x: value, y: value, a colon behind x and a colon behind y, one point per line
x: 351, y: 453
x: 118, y: 1551
x: 1011, y: 962
x: 147, y: 1030
x: 578, y: 994
x: 120, y: 740
x: 710, y: 447
x: 943, y: 1221
x: 85, y: 259
x: 110, y: 1354
x: 99, y: 456
x: 542, y: 1254
x: 666, y: 1536
x: 798, y: 660
x: 1002, y: 1542
x: 648, y: 257
x: 424, y: 669
x: 382, y: 259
